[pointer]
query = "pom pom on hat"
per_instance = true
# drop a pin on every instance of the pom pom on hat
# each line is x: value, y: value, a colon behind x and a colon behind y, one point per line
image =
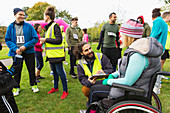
x: 132, y: 28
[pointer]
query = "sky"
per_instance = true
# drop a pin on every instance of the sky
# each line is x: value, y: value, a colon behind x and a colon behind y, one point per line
x: 88, y: 11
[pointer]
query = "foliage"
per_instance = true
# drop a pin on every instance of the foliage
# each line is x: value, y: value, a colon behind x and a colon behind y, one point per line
x: 37, y: 12
x: 95, y: 31
x: 2, y: 33
x: 64, y: 15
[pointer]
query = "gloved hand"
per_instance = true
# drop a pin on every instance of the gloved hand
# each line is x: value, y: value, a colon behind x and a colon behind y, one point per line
x: 98, y: 47
x: 110, y: 76
x: 105, y: 82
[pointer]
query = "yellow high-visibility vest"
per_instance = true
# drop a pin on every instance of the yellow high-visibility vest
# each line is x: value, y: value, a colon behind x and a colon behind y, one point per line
x: 53, y: 50
x: 96, y: 66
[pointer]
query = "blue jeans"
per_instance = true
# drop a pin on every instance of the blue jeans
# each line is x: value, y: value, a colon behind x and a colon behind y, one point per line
x: 58, y: 70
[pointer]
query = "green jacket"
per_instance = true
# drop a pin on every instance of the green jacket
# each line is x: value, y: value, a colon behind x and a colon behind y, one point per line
x: 71, y: 36
x: 146, y: 30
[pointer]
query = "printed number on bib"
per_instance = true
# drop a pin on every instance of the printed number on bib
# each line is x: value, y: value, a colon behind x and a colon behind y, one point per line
x: 111, y: 34
x: 20, y: 39
x: 75, y: 36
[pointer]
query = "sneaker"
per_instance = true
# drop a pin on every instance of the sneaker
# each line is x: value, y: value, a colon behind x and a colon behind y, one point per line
x: 40, y: 77
x: 82, y: 111
x: 53, y: 81
x: 74, y: 76
x: 37, y: 80
x: 65, y: 63
x: 51, y: 73
x: 164, y: 77
x: 64, y: 95
x: 52, y: 90
x: 35, y: 89
x: 156, y: 90
x: 16, y: 91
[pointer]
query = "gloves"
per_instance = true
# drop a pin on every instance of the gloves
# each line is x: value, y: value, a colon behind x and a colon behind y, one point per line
x: 98, y: 47
x: 105, y: 82
x: 110, y: 76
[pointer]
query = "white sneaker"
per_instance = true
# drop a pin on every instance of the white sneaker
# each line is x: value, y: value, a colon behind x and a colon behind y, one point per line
x: 16, y: 91
x: 156, y: 90
x: 65, y: 63
x: 35, y: 89
x: 51, y: 73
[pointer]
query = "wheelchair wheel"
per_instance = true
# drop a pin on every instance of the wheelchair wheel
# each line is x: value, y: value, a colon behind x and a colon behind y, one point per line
x: 156, y: 102
x: 132, y: 107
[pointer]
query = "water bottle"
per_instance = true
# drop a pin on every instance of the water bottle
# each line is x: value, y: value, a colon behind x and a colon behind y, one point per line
x: 17, y: 60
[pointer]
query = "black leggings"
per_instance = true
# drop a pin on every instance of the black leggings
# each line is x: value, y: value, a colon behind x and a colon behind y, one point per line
x: 7, y: 103
x: 30, y: 63
x: 98, y: 92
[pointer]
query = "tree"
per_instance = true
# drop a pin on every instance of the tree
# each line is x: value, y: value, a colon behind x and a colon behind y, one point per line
x: 64, y: 15
x: 25, y: 10
x: 37, y: 11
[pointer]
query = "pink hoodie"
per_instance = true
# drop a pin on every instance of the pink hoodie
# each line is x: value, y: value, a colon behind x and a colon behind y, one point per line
x: 85, y: 38
x: 38, y: 46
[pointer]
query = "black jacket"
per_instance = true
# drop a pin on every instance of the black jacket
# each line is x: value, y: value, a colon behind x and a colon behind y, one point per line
x: 6, y: 81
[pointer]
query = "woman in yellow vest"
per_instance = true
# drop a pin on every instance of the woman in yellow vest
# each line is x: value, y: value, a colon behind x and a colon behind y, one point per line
x: 54, y: 51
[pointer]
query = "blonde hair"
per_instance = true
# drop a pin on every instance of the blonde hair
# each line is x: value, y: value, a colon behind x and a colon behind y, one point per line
x: 127, y: 41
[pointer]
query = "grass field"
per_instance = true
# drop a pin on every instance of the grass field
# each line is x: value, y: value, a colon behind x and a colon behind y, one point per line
x: 41, y: 102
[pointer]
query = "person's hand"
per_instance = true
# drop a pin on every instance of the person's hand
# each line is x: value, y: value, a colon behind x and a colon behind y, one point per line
x: 93, y: 81
x: 100, y: 72
x: 110, y: 77
x: 98, y: 47
x: 42, y: 40
x: 105, y: 82
x: 0, y: 68
x: 18, y: 51
x: 22, y: 48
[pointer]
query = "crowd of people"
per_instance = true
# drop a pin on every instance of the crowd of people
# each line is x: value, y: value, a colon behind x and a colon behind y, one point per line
x: 144, y: 53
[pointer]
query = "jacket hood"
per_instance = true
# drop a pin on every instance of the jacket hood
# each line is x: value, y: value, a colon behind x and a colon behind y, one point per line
x: 148, y: 47
x: 142, y: 19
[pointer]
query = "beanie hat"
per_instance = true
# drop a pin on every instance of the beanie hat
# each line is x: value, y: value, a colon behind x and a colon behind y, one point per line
x: 16, y: 10
x: 132, y: 28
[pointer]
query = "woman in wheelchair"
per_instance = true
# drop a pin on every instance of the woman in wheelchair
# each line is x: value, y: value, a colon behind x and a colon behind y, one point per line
x: 140, y: 62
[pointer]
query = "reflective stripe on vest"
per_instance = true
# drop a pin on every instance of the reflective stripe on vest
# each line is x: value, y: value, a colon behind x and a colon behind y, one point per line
x: 96, y: 66
x: 53, y: 50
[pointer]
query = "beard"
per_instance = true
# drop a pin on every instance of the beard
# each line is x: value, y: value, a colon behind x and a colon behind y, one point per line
x: 89, y: 58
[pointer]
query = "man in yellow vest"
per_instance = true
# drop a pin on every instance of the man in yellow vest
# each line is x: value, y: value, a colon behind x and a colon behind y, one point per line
x: 90, y: 63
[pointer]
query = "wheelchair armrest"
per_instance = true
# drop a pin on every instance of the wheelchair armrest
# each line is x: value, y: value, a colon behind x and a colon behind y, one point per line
x: 163, y: 73
x: 129, y: 88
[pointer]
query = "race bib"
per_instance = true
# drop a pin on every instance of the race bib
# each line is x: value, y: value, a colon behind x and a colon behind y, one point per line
x: 111, y: 34
x: 20, y: 39
x: 75, y: 36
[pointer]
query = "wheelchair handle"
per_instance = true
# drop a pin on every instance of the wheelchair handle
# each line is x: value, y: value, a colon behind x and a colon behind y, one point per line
x: 163, y: 73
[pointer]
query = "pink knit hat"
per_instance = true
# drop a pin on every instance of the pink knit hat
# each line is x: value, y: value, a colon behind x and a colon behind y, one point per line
x: 132, y: 28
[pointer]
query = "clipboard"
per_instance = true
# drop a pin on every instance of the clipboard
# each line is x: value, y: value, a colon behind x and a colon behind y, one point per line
x: 99, y: 76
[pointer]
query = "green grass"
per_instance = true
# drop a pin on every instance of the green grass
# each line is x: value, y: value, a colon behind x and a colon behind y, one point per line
x: 4, y: 53
x: 41, y: 102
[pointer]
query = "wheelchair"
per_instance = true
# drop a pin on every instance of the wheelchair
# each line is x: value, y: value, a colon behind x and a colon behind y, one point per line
x: 130, y: 103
